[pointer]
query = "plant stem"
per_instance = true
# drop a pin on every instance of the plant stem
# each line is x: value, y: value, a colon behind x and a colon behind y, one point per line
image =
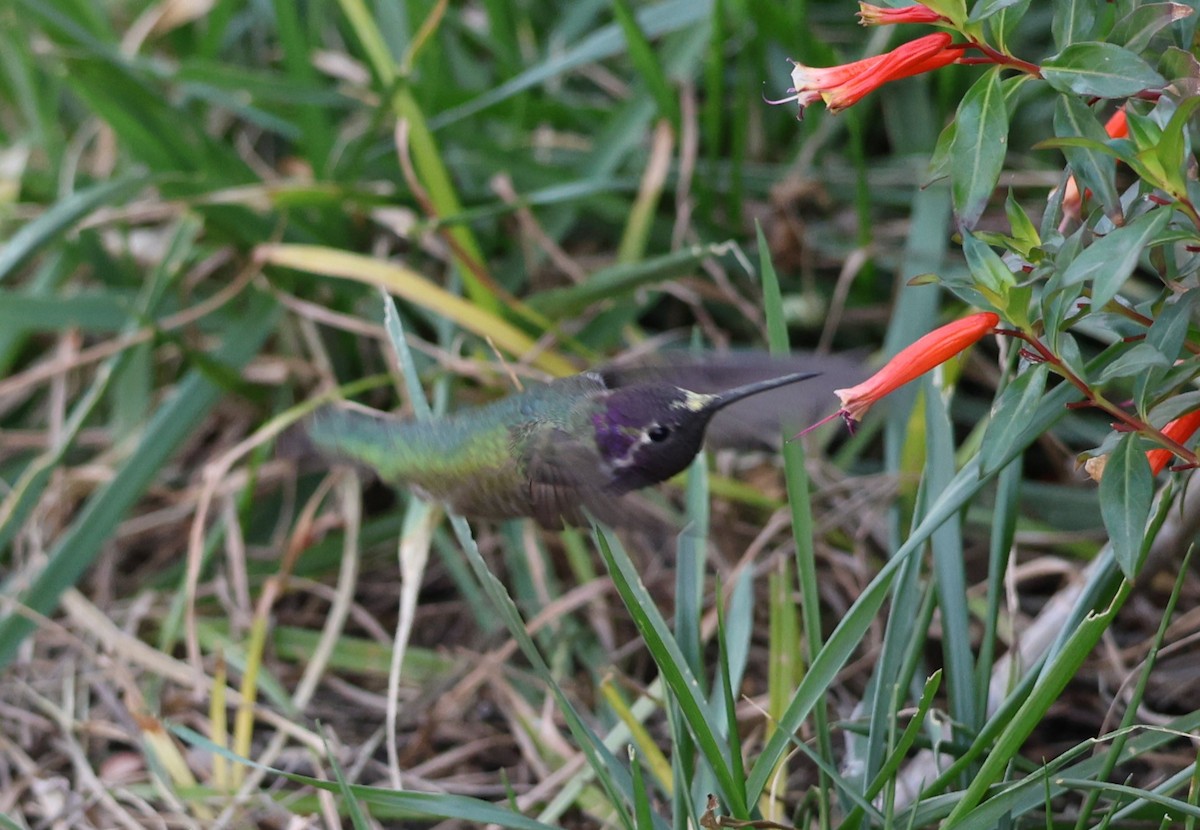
x: 1132, y: 422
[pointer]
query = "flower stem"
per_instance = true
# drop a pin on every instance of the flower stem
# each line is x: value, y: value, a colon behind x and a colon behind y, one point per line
x: 1131, y: 422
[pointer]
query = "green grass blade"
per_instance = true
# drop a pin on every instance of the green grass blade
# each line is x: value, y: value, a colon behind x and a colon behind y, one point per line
x: 1050, y: 685
x: 602, y: 43
x: 399, y: 804
x: 673, y: 665
x: 61, y: 217
x: 948, y: 567
x: 858, y: 618
x: 173, y: 423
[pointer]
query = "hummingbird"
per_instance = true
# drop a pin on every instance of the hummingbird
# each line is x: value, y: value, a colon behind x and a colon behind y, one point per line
x: 556, y: 452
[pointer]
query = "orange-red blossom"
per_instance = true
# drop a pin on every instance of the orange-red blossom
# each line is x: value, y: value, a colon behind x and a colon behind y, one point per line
x: 872, y: 15
x: 841, y: 86
x: 1178, y: 431
x: 910, y: 363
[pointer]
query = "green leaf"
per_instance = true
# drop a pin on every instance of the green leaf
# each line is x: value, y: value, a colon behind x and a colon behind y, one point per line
x: 1051, y: 681
x: 1100, y: 69
x: 1180, y: 64
x: 1072, y: 357
x: 1135, y: 30
x: 1020, y: 797
x: 899, y: 751
x: 1094, y: 168
x: 1011, y: 416
x: 1139, y: 360
x: 1173, y: 150
x: 986, y: 266
x: 939, y: 158
x: 1143, y: 130
x: 1003, y: 25
x: 1023, y: 231
x: 1073, y: 21
x: 1126, y: 490
x: 93, y: 311
x: 1167, y: 333
x: 317, y: 123
x: 349, y: 802
x: 950, y: 581
x: 1172, y: 808
x: 1058, y: 305
x: 1173, y: 407
x: 1118, y: 149
x: 800, y: 503
x: 980, y: 142
x: 953, y: 9
x: 643, y: 819
x: 986, y: 8
x: 1108, y: 262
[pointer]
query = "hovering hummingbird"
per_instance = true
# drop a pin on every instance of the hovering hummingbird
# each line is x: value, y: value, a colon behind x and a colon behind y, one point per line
x: 555, y: 452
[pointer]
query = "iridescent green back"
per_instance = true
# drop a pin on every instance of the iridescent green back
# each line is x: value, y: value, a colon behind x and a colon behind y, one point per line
x: 476, y: 460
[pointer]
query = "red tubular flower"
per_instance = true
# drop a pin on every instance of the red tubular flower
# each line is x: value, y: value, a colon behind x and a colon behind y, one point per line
x: 871, y: 15
x: 841, y: 86
x: 1179, y: 431
x: 1117, y: 126
x: 932, y: 350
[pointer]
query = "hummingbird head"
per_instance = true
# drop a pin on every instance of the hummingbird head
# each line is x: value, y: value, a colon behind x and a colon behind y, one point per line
x: 649, y: 432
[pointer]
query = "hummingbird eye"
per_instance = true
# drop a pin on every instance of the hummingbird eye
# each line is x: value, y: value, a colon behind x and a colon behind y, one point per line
x: 658, y: 433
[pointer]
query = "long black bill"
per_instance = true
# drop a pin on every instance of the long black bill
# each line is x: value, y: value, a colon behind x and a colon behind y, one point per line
x: 723, y: 399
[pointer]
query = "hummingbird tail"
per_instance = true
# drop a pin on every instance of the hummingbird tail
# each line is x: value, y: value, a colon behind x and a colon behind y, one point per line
x: 338, y: 434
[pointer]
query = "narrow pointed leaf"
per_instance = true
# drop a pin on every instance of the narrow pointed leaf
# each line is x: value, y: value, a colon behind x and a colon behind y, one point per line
x: 1094, y: 168
x: 986, y: 8
x: 669, y: 658
x: 1126, y: 491
x: 1104, y: 70
x: 1135, y: 30
x: 1108, y: 262
x: 986, y: 266
x: 1073, y: 21
x: 980, y: 142
x: 1011, y: 417
x: 1138, y: 361
x: 647, y: 63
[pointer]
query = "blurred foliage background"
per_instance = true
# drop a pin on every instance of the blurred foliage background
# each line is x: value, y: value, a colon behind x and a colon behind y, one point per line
x: 200, y: 200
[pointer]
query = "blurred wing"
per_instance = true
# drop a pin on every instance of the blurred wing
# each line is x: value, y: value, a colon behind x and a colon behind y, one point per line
x: 565, y: 475
x: 568, y: 485
x: 756, y: 422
